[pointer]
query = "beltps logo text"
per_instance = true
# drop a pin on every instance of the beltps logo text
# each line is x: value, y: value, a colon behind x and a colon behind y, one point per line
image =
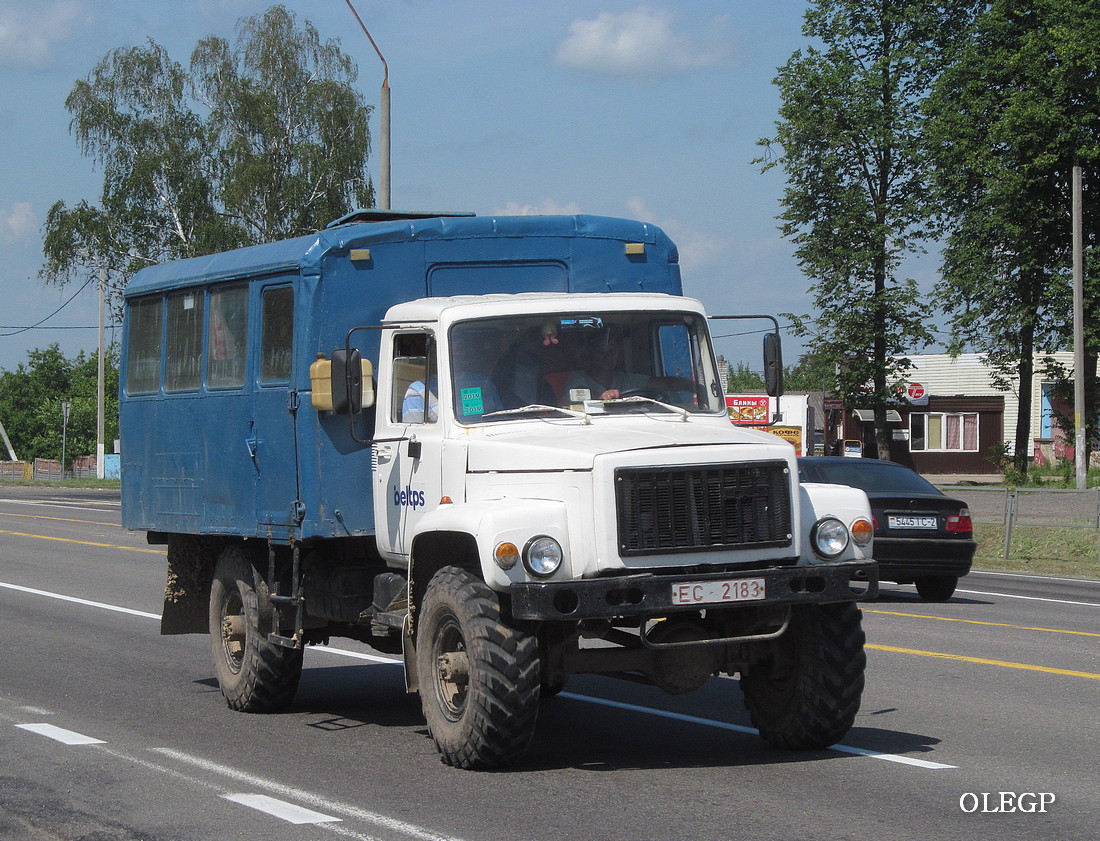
x: 408, y: 497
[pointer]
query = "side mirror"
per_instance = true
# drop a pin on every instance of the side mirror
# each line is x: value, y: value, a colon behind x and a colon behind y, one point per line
x: 344, y: 384
x: 347, y: 381
x: 773, y: 365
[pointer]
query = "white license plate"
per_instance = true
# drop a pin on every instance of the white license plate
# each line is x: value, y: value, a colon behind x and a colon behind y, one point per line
x: 896, y: 522
x: 716, y: 592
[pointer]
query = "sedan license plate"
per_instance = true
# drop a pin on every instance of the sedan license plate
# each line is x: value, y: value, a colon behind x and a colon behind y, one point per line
x: 899, y: 522
x: 717, y: 592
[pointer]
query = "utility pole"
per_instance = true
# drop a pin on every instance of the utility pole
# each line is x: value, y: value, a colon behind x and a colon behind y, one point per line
x: 384, y: 119
x: 1082, y: 456
x: 100, y: 411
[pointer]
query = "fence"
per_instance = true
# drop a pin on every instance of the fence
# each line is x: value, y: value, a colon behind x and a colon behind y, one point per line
x: 1010, y: 508
x: 14, y: 470
x: 48, y: 469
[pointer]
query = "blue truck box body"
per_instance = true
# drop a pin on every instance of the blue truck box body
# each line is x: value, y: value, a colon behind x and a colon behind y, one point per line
x: 258, y: 460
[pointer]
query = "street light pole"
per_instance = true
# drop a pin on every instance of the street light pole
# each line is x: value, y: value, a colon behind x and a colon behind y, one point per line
x: 384, y: 118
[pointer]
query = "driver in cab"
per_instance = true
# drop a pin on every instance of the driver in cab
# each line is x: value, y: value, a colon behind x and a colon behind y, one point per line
x: 603, y: 376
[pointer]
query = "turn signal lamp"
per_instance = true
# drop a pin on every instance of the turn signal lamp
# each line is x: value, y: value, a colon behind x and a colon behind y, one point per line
x: 506, y: 555
x: 862, y: 532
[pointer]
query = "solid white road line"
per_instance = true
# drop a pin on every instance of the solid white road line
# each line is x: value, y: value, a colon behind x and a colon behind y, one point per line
x: 1030, y: 598
x: 66, y: 737
x: 55, y: 504
x: 75, y: 600
x: 347, y: 810
x: 738, y: 728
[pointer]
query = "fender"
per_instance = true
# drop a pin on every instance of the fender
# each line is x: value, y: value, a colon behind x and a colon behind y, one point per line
x: 840, y: 501
x: 492, y: 522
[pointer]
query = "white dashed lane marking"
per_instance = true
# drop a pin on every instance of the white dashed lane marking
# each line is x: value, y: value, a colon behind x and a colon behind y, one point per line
x: 280, y: 808
x: 66, y: 737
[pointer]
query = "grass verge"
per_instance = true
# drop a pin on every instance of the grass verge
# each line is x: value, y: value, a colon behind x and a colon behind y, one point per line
x: 1039, y: 550
x: 109, y: 484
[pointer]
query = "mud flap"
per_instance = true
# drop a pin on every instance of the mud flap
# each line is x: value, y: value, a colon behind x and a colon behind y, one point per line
x: 408, y: 648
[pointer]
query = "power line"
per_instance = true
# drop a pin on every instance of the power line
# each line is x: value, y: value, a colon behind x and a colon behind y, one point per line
x: 17, y: 330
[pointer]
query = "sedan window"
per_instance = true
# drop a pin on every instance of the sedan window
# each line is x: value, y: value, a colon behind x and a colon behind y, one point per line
x: 874, y: 476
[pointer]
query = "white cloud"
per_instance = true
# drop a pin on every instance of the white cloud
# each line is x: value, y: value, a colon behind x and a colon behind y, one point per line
x: 547, y: 207
x: 17, y: 223
x: 697, y: 249
x: 642, y: 42
x: 31, y: 29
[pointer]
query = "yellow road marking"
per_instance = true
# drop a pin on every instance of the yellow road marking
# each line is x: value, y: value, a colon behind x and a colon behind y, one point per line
x: 84, y: 542
x: 977, y: 622
x: 57, y: 519
x: 983, y: 661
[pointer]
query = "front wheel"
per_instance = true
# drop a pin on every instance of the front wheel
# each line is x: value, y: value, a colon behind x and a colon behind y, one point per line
x: 805, y: 693
x: 254, y: 674
x: 478, y: 674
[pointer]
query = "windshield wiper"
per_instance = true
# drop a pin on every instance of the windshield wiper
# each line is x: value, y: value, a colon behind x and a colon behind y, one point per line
x: 635, y: 398
x: 535, y: 409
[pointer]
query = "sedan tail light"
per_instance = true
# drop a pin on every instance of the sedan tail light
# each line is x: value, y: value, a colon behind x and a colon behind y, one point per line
x: 960, y: 522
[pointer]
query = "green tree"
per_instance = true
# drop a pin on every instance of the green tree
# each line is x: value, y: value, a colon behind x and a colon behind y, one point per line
x: 1009, y: 119
x: 261, y: 140
x: 31, y: 398
x: 812, y: 372
x: 850, y: 139
x: 743, y: 378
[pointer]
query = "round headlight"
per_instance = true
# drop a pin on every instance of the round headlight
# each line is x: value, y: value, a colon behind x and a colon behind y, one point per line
x: 829, y: 537
x: 542, y: 556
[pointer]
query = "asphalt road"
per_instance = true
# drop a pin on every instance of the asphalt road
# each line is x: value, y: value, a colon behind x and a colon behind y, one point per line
x: 975, y: 710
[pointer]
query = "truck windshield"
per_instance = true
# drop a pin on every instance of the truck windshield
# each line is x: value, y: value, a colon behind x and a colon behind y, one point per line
x: 571, y: 360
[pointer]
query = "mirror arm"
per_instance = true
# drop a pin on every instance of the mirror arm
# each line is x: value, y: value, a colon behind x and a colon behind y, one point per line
x: 775, y: 363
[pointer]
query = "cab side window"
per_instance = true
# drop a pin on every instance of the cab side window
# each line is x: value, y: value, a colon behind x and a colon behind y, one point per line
x: 415, y: 387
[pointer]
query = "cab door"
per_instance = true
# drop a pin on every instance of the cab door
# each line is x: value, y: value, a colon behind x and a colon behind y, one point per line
x: 408, y: 442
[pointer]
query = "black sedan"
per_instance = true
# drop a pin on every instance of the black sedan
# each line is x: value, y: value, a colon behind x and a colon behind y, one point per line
x: 922, y: 537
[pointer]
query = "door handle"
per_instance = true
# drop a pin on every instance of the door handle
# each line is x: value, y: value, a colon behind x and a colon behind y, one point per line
x: 384, y: 453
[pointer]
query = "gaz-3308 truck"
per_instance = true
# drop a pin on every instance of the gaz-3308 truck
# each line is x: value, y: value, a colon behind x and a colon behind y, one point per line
x: 495, y: 446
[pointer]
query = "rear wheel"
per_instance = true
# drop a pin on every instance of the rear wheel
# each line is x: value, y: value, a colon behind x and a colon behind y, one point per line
x: 254, y: 674
x: 478, y: 674
x: 805, y: 694
x: 936, y: 588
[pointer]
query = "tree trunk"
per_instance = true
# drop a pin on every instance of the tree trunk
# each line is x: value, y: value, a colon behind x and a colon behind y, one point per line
x: 1022, y: 455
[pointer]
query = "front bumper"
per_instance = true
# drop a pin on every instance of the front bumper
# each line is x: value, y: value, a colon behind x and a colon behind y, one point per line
x: 648, y: 594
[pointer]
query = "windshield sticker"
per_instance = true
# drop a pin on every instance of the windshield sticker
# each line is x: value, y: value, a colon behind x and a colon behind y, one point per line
x: 472, y: 404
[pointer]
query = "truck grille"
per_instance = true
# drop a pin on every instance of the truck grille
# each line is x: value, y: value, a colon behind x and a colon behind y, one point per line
x: 703, y: 508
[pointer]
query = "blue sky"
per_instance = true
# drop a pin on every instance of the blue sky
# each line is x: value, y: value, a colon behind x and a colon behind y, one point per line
x: 645, y: 110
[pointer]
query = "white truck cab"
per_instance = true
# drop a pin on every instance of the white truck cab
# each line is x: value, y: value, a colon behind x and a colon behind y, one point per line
x: 571, y: 456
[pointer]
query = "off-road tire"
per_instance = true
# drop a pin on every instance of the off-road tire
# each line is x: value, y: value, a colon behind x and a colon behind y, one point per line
x: 936, y: 588
x: 489, y: 719
x: 255, y: 675
x: 805, y: 694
